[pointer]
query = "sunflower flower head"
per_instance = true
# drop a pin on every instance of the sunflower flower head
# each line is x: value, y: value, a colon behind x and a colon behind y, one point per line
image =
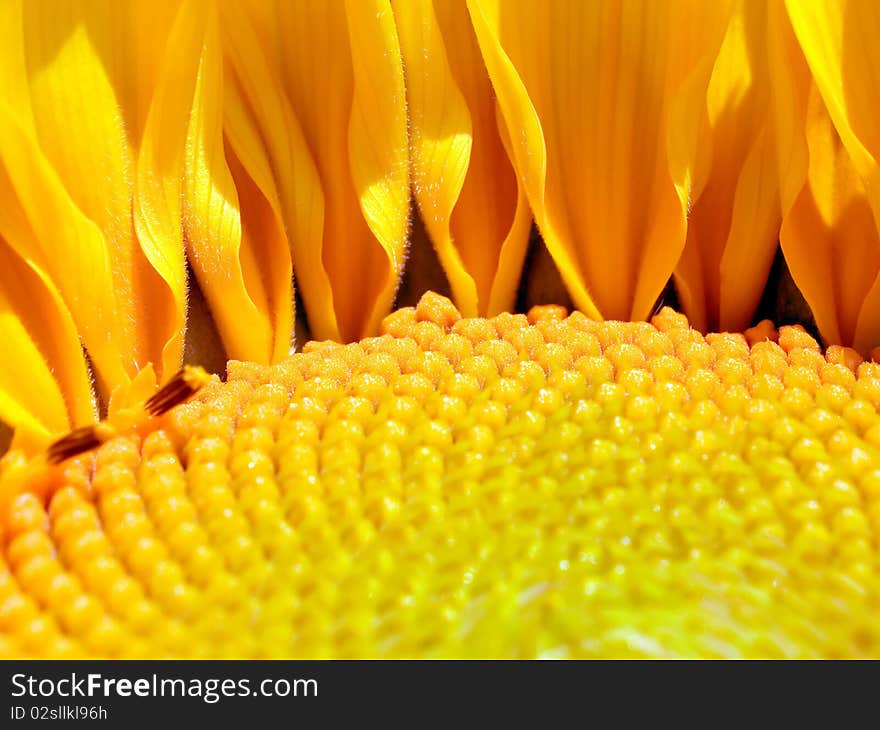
x: 470, y: 475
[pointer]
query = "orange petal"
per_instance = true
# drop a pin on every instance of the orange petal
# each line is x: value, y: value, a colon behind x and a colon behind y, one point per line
x: 265, y: 136
x: 830, y: 236
x: 44, y: 382
x: 588, y: 90
x: 831, y: 241
x: 343, y: 75
x: 88, y: 71
x: 734, y: 220
x: 44, y: 226
x: 235, y: 239
x: 473, y: 206
x: 839, y: 42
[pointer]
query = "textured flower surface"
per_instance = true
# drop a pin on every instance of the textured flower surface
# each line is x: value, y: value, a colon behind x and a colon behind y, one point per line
x: 514, y: 486
x: 471, y: 476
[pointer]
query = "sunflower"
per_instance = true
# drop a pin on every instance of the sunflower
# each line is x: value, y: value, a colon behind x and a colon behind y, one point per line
x: 492, y: 281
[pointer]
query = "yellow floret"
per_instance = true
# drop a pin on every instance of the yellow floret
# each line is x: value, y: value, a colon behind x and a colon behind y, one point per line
x: 514, y: 487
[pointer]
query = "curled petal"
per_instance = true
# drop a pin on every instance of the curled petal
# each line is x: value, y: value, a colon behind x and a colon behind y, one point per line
x: 43, y: 225
x: 44, y: 382
x: 838, y: 40
x: 735, y: 216
x: 473, y: 206
x: 86, y: 73
x: 343, y: 75
x: 160, y: 170
x: 590, y: 90
x: 235, y: 240
x: 830, y: 233
x: 266, y: 139
x: 830, y: 239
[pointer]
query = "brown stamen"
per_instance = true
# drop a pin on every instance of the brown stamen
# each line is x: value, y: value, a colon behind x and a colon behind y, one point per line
x: 78, y: 442
x: 183, y: 386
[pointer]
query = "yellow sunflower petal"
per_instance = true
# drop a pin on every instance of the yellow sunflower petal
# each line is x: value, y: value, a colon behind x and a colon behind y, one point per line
x: 160, y: 167
x: 831, y: 241
x: 44, y: 382
x: 734, y: 220
x: 232, y: 231
x: 267, y: 139
x: 790, y: 83
x: 343, y: 76
x: 43, y: 225
x: 589, y: 89
x: 272, y: 165
x: 836, y: 263
x: 82, y: 103
x: 378, y: 147
x: 472, y: 204
x: 839, y: 42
